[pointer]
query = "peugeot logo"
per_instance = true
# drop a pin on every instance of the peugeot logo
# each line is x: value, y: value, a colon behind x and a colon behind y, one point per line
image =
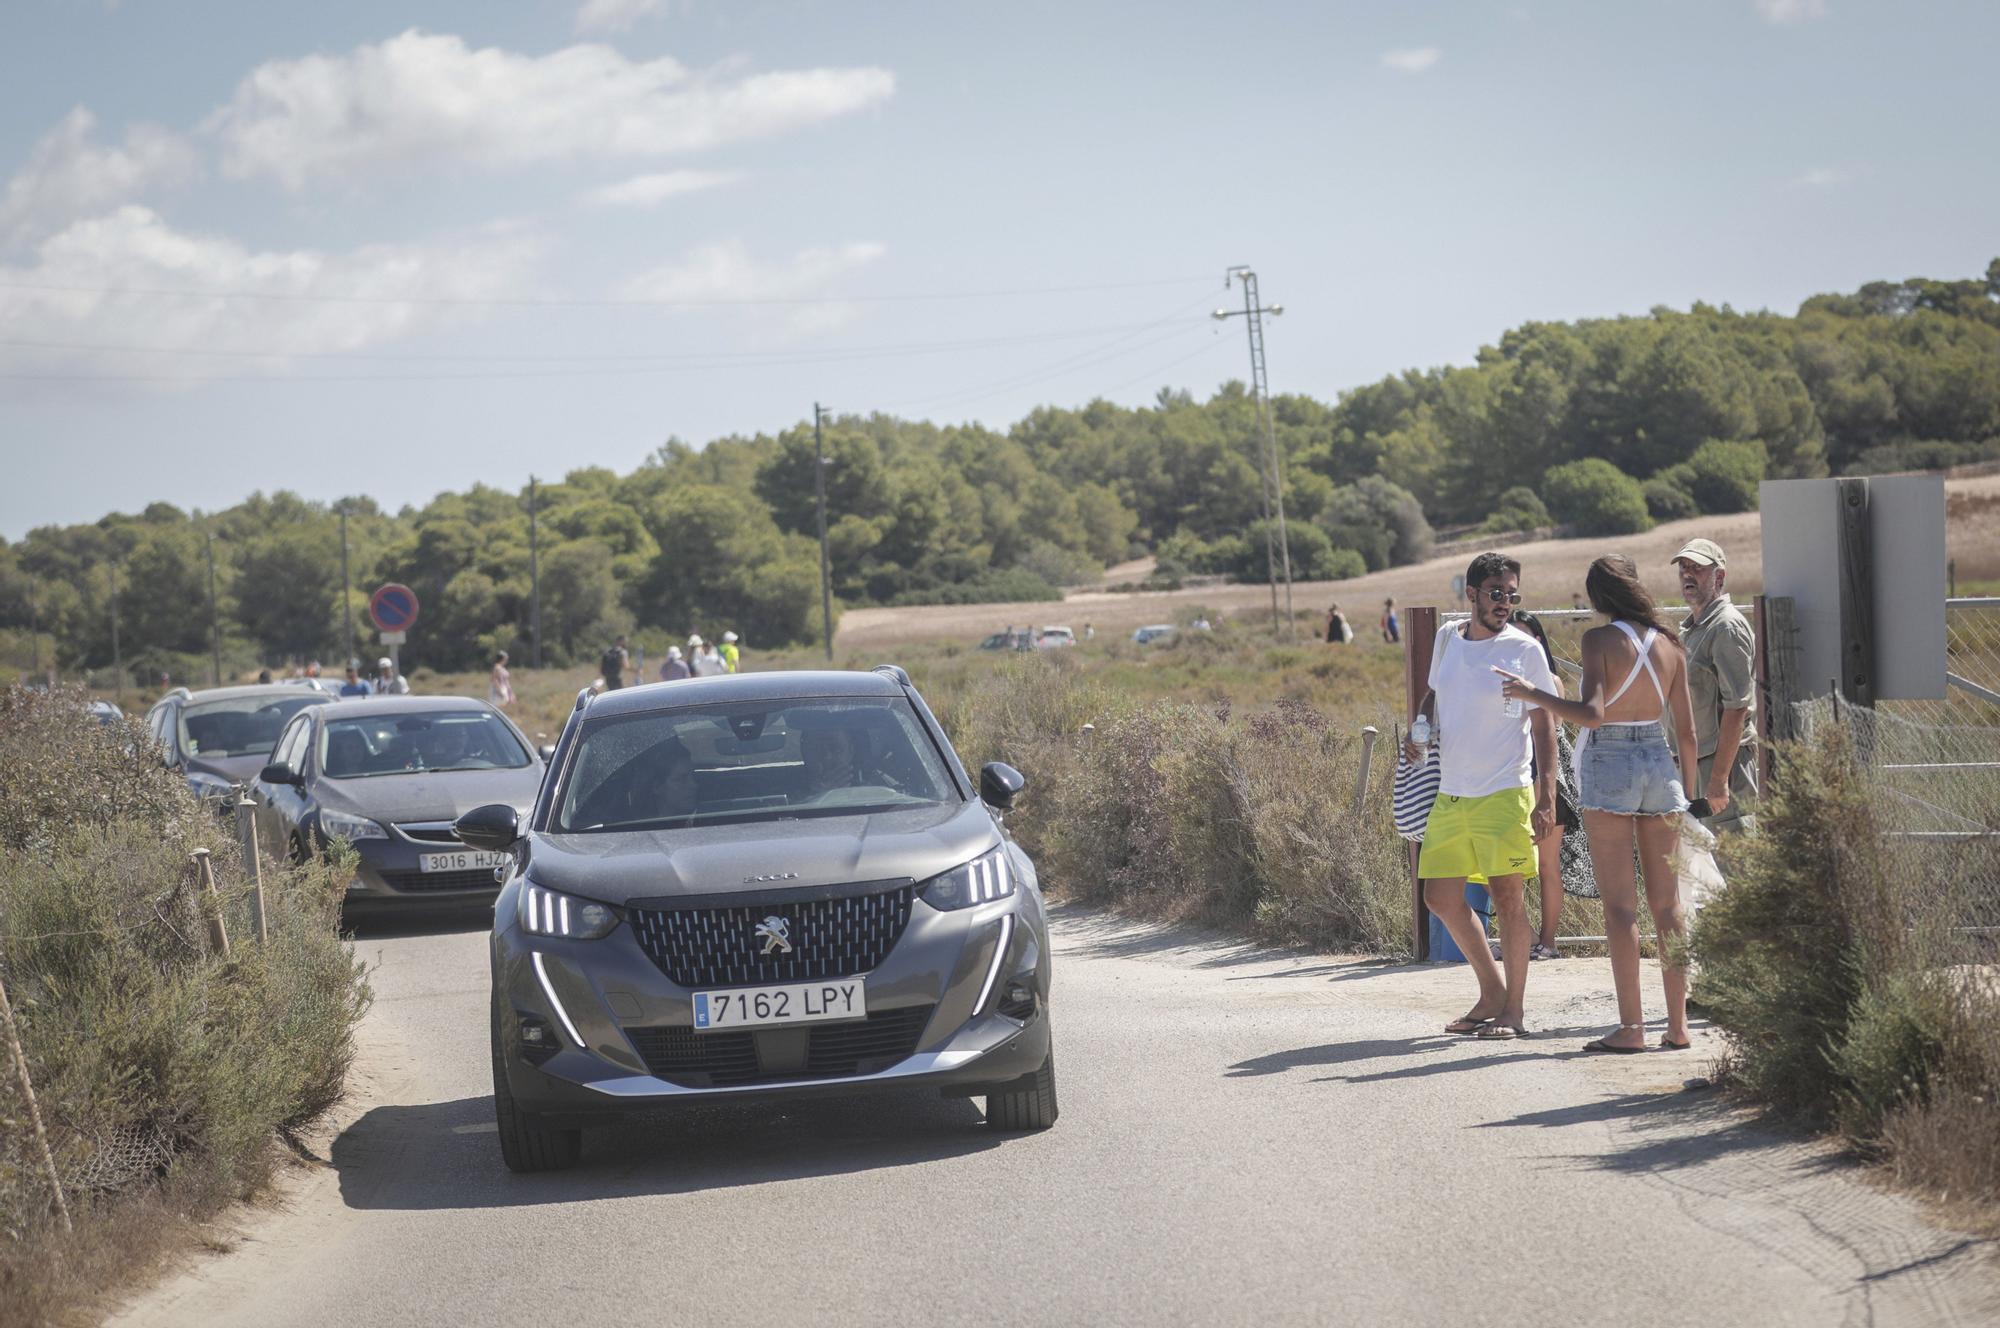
x: 774, y: 876
x: 776, y: 934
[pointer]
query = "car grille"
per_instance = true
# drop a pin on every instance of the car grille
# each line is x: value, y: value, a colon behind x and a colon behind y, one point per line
x: 429, y: 832
x: 728, y: 1058
x: 423, y: 882
x: 719, y: 947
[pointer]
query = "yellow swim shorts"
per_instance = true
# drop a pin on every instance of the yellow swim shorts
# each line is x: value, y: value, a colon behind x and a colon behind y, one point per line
x: 1480, y: 837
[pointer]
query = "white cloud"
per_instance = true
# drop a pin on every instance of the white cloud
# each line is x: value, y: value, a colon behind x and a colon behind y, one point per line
x: 124, y: 279
x: 652, y: 190
x: 429, y: 100
x: 725, y: 272
x: 1790, y: 11
x: 1822, y: 177
x: 614, y: 15
x: 68, y: 175
x: 1411, y: 60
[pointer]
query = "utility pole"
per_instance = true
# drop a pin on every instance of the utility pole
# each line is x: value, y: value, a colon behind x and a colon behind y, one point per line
x: 825, y: 568
x: 346, y: 588
x: 534, y: 581
x: 35, y: 630
x: 117, y: 655
x: 214, y: 619
x: 1278, y: 552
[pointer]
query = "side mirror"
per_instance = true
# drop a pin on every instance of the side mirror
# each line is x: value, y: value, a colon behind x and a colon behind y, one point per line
x: 279, y: 772
x: 547, y: 752
x: 494, y: 827
x: 998, y: 784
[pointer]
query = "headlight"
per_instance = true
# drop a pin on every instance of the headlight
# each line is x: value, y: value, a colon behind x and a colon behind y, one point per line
x: 339, y: 825
x: 210, y: 786
x: 552, y: 913
x: 984, y: 879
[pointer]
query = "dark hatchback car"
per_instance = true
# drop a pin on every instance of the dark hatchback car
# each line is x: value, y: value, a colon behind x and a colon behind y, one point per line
x: 761, y: 884
x: 389, y: 775
x: 222, y: 737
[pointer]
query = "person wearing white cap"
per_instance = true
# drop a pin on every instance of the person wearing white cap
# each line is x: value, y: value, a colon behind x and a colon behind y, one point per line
x: 1721, y: 668
x: 675, y: 668
x: 732, y: 657
x: 388, y: 682
x: 706, y: 661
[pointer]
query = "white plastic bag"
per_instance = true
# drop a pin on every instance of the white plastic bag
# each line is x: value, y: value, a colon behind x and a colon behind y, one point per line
x: 1693, y: 860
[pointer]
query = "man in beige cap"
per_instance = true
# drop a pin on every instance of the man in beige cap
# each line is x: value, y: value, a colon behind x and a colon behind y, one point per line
x: 1721, y: 672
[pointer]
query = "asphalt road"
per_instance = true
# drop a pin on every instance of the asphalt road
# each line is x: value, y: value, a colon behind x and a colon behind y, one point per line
x: 1245, y: 1137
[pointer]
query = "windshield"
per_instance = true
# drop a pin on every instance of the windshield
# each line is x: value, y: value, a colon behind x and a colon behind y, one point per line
x: 241, y: 726
x: 823, y: 756
x: 405, y: 743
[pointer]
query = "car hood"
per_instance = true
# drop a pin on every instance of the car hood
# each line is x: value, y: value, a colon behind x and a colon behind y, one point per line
x: 442, y: 795
x: 235, y: 769
x: 619, y: 867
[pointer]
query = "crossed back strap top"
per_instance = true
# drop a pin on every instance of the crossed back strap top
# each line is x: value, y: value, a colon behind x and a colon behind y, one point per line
x: 1645, y: 648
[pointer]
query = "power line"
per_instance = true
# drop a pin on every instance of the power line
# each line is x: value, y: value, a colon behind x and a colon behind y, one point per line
x: 612, y: 302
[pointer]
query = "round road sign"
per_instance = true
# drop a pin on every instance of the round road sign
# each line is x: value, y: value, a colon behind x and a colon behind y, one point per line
x: 393, y: 607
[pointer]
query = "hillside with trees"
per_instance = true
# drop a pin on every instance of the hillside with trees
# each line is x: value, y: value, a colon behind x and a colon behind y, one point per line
x: 1600, y: 426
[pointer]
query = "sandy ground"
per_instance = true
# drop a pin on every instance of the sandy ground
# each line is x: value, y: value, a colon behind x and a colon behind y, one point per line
x: 1553, y: 570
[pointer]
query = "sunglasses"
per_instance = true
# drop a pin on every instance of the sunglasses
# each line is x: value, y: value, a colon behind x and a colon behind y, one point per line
x: 1499, y: 596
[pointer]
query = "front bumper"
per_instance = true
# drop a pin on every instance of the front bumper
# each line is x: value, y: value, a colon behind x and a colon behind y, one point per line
x: 391, y: 870
x: 598, y: 1000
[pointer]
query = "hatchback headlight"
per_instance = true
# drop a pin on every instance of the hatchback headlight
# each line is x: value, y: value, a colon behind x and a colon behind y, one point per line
x: 553, y: 913
x: 339, y: 825
x: 984, y: 879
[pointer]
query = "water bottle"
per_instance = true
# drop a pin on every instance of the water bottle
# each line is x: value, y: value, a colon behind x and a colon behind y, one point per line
x: 1420, y: 731
x: 1512, y: 707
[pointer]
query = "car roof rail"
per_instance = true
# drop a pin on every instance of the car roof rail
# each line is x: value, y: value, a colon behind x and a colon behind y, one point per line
x: 582, y: 699
x: 895, y: 671
x: 179, y: 693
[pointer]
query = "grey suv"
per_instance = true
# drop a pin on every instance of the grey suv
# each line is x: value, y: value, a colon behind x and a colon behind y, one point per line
x: 760, y: 884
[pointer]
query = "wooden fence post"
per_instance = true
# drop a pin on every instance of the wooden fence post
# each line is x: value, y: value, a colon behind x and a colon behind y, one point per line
x: 253, y: 866
x: 1420, y: 624
x: 34, y: 1109
x: 1857, y: 595
x: 1778, y: 688
x: 218, y: 931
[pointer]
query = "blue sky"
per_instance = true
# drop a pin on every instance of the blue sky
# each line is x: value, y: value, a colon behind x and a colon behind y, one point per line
x: 394, y: 249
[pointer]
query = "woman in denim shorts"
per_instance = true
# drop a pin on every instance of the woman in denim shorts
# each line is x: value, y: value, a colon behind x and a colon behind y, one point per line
x: 1629, y: 788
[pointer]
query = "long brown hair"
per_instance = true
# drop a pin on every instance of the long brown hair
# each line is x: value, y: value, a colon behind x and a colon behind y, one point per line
x: 1616, y: 592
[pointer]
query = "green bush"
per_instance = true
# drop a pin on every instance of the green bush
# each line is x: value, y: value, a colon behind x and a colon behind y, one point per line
x: 159, y: 1066
x: 1594, y: 497
x: 1517, y: 509
x: 1667, y: 496
x: 1723, y: 477
x: 1012, y: 585
x: 1381, y: 520
x: 1339, y: 565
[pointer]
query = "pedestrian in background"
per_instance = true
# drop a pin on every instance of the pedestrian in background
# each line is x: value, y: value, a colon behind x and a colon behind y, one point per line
x: 732, y: 657
x: 1337, y: 630
x: 1721, y: 654
x: 500, y: 688
x: 1392, y: 623
x: 263, y: 676
x: 1626, y: 786
x: 356, y: 685
x: 706, y: 661
x: 611, y: 665
x: 1496, y: 789
x: 388, y: 682
x: 673, y: 668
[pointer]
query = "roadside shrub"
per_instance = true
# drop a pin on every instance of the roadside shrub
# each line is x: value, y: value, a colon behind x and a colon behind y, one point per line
x: 1594, y: 497
x: 1381, y: 520
x: 160, y: 1067
x: 1340, y: 565
x: 1723, y: 477
x: 1667, y: 496
x: 1920, y: 454
x: 1517, y: 509
x: 1000, y: 585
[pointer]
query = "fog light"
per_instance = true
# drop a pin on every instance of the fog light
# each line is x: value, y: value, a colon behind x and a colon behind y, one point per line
x: 538, y: 1040
x: 1017, y: 1001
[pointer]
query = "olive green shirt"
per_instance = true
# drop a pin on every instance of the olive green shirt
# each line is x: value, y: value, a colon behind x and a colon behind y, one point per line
x: 1722, y: 671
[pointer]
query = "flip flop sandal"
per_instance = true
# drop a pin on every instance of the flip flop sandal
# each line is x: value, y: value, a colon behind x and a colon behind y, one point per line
x: 1498, y: 1032
x: 1598, y: 1046
x: 1668, y: 1044
x: 1467, y: 1023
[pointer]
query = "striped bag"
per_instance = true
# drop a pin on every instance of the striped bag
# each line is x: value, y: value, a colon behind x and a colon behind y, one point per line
x: 1416, y: 789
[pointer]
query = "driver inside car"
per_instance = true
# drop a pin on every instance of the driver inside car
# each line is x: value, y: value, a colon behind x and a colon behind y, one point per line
x: 832, y: 759
x: 671, y: 781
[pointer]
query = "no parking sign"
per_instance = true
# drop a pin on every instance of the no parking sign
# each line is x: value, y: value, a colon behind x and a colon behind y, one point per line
x: 393, y: 607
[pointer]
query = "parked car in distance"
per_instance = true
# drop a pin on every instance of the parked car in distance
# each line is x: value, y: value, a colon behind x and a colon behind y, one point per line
x: 1054, y: 638
x: 221, y: 737
x: 104, y: 712
x: 389, y: 775
x: 769, y: 884
x: 1145, y: 636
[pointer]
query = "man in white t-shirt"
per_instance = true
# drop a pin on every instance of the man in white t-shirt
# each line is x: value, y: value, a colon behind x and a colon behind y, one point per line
x: 1490, y: 809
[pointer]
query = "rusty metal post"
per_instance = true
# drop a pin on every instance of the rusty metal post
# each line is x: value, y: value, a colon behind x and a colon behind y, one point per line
x: 1419, y: 636
x: 34, y: 1108
x: 211, y: 903
x: 253, y: 866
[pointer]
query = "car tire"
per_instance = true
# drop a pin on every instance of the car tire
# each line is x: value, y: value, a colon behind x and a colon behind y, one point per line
x: 1027, y: 1103
x: 525, y: 1144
